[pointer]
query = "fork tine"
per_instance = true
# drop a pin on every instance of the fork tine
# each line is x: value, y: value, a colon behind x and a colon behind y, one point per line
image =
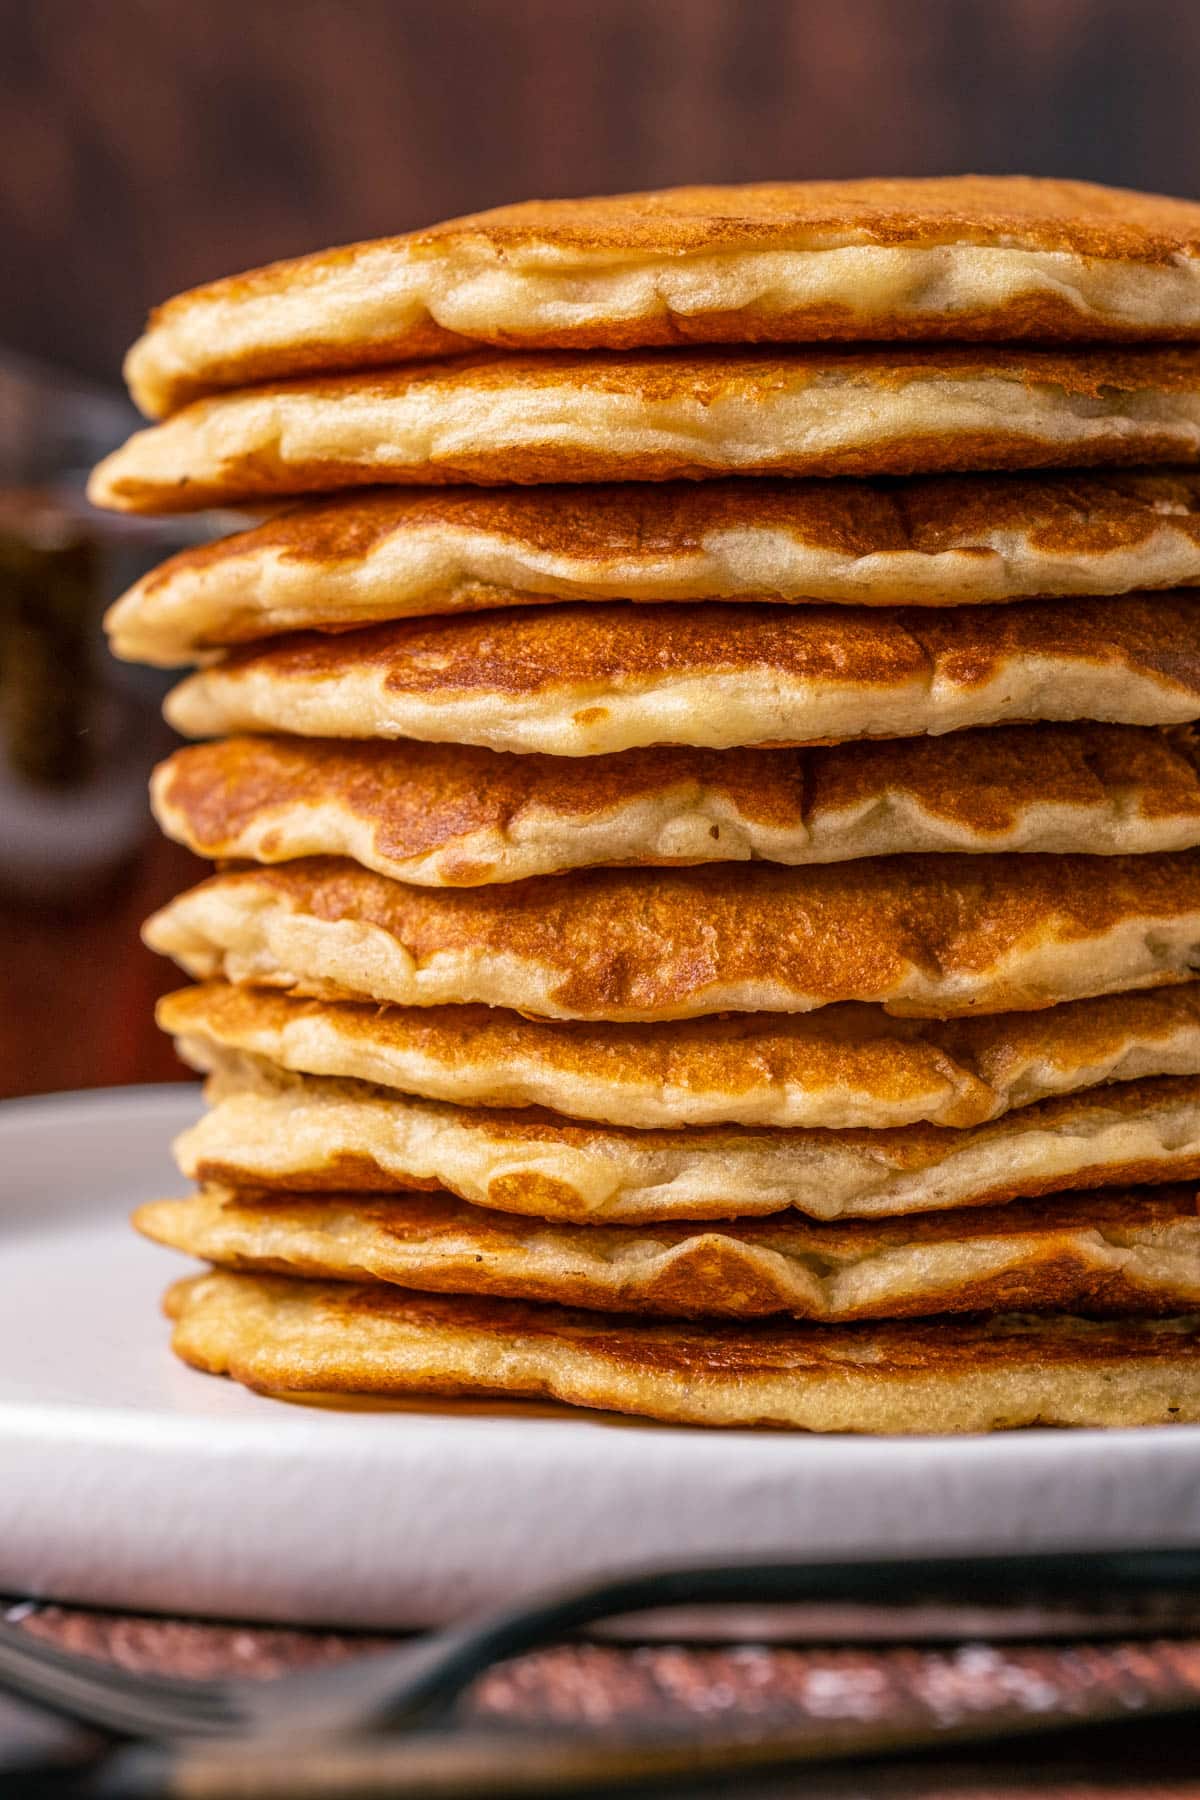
x: 204, y: 1690
x: 113, y: 1699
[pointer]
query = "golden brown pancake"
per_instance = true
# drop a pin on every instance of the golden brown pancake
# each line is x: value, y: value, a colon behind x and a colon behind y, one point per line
x: 945, y: 1375
x: 841, y: 1066
x: 448, y: 815
x: 270, y: 1129
x: 591, y: 680
x: 930, y: 936
x: 966, y: 256
x: 1124, y: 1252
x: 366, y: 557
x: 571, y: 416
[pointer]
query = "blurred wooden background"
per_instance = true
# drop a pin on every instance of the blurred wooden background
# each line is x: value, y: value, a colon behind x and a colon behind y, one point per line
x: 149, y: 144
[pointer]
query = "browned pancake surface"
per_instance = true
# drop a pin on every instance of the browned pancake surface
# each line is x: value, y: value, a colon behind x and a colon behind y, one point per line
x: 682, y: 414
x: 1089, y: 511
x: 383, y: 553
x: 716, y: 1347
x: 568, y: 241
x: 280, y: 1335
x: 629, y: 943
x: 1112, y: 1253
x: 843, y: 1066
x: 271, y: 1130
x: 561, y: 647
x: 588, y: 680
x: 1039, y: 214
x: 459, y: 815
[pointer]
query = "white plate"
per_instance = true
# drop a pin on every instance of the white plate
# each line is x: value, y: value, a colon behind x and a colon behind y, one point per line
x: 127, y: 1480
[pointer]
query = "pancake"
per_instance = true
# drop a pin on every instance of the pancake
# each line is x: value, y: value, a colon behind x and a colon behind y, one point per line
x: 269, y: 1129
x: 390, y: 553
x: 592, y: 680
x: 566, y: 416
x: 928, y: 936
x: 967, y: 256
x: 446, y: 815
x: 842, y: 1066
x: 948, y: 1375
x: 1116, y: 1254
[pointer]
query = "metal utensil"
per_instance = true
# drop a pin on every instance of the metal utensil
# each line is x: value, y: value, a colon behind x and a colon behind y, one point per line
x: 283, y: 1733
x: 1095, y: 1594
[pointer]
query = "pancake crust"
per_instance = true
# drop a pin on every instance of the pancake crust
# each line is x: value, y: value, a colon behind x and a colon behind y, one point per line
x: 566, y: 416
x: 366, y: 557
x: 966, y: 256
x: 448, y: 815
x: 268, y: 1129
x: 307, y: 1337
x: 934, y: 936
x: 842, y: 1066
x: 593, y: 680
x: 1114, y: 1254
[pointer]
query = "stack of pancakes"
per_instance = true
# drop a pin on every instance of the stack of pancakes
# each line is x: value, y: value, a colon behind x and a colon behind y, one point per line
x: 717, y: 948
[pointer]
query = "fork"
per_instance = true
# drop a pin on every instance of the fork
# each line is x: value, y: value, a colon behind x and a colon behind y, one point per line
x: 1076, y: 1595
x: 1142, y: 1592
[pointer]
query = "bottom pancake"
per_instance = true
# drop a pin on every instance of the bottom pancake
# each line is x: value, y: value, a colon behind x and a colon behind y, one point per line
x: 1118, y: 1252
x: 283, y: 1336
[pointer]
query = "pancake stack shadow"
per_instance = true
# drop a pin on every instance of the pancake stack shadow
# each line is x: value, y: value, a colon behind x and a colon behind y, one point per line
x: 703, y: 778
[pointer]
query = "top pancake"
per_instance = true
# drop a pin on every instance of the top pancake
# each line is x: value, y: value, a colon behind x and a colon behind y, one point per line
x: 961, y: 257
x: 392, y: 553
x: 574, y: 416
